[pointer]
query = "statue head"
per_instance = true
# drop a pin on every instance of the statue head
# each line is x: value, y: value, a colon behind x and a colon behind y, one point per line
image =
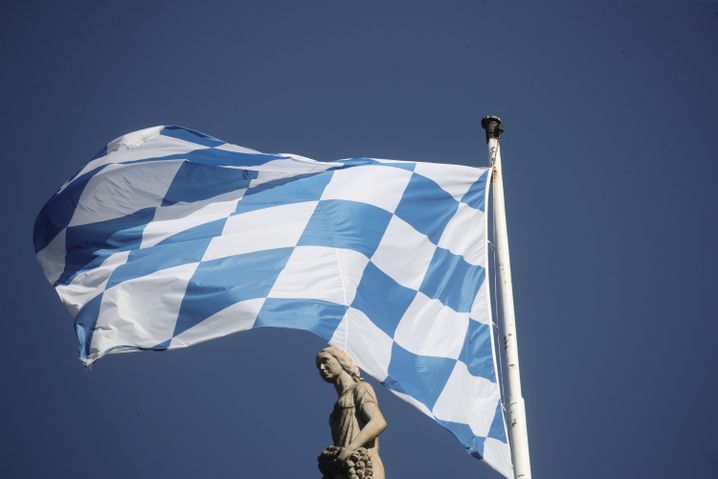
x: 331, y: 362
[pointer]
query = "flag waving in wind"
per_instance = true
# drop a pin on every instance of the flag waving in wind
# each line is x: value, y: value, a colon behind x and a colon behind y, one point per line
x: 171, y: 237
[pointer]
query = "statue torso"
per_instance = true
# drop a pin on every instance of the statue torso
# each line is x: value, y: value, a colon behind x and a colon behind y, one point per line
x: 347, y: 419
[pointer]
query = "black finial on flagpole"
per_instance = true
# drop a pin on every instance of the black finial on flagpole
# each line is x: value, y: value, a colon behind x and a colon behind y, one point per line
x: 492, y: 125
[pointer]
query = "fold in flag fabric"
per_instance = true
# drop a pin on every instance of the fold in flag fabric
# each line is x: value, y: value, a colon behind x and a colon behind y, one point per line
x: 171, y: 237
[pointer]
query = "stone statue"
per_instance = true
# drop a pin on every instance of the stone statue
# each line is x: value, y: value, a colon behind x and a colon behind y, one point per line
x: 355, y: 422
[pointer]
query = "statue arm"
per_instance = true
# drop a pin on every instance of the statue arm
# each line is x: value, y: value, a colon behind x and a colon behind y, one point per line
x: 374, y: 426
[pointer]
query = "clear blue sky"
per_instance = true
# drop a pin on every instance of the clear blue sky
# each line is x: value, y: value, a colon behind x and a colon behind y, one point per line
x: 611, y: 111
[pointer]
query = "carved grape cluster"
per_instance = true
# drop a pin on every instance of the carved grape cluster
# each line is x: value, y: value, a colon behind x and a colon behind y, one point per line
x: 358, y: 466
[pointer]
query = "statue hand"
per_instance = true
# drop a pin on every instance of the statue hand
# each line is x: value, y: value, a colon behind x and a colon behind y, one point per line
x: 344, y: 454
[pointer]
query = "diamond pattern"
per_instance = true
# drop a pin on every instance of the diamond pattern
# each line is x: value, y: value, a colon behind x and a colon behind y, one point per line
x: 173, y: 237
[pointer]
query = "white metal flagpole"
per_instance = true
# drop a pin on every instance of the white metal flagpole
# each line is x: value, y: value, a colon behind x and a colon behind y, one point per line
x: 518, y: 434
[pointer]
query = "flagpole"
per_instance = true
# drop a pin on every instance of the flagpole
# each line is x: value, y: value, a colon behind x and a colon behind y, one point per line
x: 518, y: 434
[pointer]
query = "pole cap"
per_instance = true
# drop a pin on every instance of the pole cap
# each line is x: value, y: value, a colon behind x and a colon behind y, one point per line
x: 492, y: 125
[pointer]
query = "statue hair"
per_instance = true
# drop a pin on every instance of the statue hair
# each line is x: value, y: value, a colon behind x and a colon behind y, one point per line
x: 346, y: 362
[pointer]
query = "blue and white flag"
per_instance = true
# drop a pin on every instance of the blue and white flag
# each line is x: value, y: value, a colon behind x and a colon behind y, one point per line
x: 171, y: 237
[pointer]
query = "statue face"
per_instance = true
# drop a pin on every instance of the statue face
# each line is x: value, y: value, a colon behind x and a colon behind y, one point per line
x: 329, y: 368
